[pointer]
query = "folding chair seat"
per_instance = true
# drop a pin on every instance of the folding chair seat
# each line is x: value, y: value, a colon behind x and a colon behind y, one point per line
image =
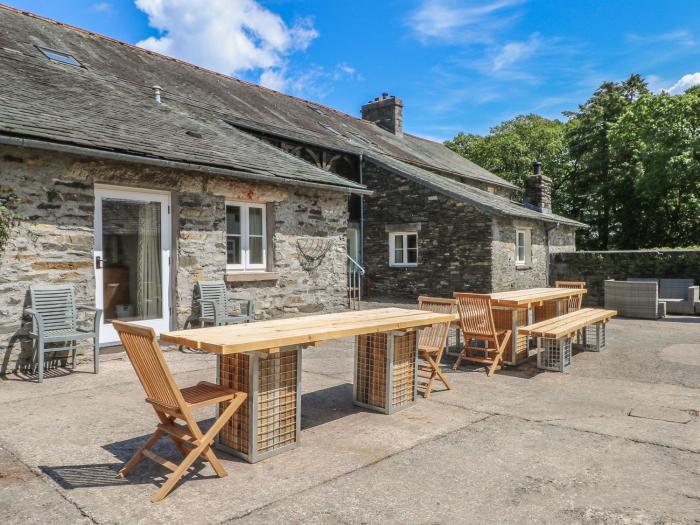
x: 171, y: 404
x: 477, y: 324
x: 431, y: 344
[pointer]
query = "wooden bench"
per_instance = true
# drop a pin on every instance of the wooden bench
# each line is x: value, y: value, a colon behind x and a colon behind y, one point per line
x: 554, y: 336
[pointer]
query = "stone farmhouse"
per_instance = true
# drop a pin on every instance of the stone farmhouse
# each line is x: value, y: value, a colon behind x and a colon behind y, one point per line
x: 137, y: 175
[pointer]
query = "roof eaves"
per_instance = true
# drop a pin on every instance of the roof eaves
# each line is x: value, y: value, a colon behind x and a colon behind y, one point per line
x: 64, y: 147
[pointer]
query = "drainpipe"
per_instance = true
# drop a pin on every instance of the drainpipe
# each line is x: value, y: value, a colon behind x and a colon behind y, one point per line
x: 362, y: 221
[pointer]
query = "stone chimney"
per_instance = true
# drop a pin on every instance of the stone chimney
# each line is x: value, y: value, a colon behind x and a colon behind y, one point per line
x: 538, y: 190
x: 386, y: 112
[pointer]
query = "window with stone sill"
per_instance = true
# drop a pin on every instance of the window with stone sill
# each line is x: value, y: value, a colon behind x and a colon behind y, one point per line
x: 403, y: 249
x: 522, y: 247
x: 246, y: 237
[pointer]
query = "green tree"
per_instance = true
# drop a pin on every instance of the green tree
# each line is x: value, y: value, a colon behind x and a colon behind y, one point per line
x: 511, y: 147
x: 627, y: 163
x: 656, y: 145
x: 594, y: 187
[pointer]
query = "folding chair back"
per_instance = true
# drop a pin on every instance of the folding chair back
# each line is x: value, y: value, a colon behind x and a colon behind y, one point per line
x: 431, y: 343
x: 573, y: 303
x: 433, y: 338
x: 56, y: 306
x: 475, y: 315
x: 212, y: 292
x: 147, y: 359
x: 477, y: 323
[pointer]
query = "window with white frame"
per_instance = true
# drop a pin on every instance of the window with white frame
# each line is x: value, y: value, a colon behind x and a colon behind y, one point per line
x: 246, y: 236
x: 522, y: 247
x: 403, y: 249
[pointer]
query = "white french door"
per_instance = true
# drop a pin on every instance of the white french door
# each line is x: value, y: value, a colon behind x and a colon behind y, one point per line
x: 132, y: 258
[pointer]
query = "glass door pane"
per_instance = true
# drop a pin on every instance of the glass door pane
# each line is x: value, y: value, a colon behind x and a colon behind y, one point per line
x: 131, y: 260
x: 255, y: 235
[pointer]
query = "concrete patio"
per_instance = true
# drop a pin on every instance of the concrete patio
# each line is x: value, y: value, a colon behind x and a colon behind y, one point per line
x: 617, y: 440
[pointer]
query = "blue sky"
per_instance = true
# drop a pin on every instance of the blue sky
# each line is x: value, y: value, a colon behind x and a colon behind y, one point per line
x: 458, y: 65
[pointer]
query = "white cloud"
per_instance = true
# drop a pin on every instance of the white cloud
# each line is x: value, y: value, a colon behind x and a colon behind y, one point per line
x: 451, y: 21
x: 680, y: 37
x: 228, y: 36
x: 313, y: 82
x: 513, y: 52
x: 102, y: 7
x: 685, y: 82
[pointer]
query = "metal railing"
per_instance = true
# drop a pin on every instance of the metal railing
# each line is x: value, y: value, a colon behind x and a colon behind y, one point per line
x: 355, y: 273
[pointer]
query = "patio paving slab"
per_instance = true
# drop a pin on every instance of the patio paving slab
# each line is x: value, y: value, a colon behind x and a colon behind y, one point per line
x: 522, y: 446
x: 505, y: 470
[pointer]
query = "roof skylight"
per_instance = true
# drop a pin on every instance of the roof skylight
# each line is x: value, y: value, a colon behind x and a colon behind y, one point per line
x: 57, y: 56
x: 330, y: 128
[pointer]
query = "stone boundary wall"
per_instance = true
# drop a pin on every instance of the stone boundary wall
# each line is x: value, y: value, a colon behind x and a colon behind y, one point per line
x: 596, y: 267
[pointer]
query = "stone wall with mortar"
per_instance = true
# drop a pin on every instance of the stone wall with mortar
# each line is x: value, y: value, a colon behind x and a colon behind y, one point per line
x: 54, y: 241
x: 508, y: 276
x: 454, y: 241
x: 596, y: 267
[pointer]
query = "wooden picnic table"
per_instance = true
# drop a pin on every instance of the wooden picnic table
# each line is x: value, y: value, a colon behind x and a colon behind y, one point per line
x: 516, y: 308
x: 264, y: 359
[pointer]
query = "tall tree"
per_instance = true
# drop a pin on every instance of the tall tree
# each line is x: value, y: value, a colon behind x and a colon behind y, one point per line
x: 656, y: 144
x: 592, y: 190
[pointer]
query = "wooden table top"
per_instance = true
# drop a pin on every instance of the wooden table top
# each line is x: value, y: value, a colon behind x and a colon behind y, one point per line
x: 265, y: 335
x: 527, y: 298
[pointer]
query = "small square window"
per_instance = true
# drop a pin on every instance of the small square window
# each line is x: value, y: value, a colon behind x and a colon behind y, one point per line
x: 403, y: 249
x: 246, y: 236
x: 57, y: 56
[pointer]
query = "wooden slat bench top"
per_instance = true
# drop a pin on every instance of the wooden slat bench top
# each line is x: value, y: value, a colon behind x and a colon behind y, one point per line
x: 533, y: 296
x: 265, y: 335
x: 567, y: 324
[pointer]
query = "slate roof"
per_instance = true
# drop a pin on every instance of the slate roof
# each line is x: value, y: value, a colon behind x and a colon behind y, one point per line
x: 108, y: 105
x: 243, y: 103
x: 484, y: 200
x: 42, y: 99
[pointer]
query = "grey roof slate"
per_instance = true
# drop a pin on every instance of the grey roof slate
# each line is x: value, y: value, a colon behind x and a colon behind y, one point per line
x: 486, y: 201
x: 62, y: 103
x: 108, y: 105
x: 110, y: 61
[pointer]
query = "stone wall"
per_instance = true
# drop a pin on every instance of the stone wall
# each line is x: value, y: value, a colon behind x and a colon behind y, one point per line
x: 596, y: 267
x: 54, y: 242
x: 454, y: 241
x: 508, y: 276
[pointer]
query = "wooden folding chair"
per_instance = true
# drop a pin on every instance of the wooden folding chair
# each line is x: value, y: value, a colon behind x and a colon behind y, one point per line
x: 476, y: 321
x: 573, y: 303
x: 431, y: 344
x: 172, y: 403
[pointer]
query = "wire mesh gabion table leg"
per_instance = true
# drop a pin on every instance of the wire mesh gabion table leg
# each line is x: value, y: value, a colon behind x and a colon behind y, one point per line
x: 554, y: 354
x: 385, y: 371
x: 269, y: 421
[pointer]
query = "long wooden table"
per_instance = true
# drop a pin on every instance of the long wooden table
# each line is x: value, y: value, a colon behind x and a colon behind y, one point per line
x: 516, y: 308
x: 264, y: 360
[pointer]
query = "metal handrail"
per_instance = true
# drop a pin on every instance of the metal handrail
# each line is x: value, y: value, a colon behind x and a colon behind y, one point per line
x: 356, y: 264
x: 355, y: 272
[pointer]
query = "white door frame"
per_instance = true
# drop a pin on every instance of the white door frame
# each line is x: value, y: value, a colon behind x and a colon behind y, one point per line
x: 108, y: 336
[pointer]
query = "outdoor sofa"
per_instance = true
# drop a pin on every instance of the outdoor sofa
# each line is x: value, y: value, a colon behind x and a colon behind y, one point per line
x: 638, y: 299
x: 680, y: 295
